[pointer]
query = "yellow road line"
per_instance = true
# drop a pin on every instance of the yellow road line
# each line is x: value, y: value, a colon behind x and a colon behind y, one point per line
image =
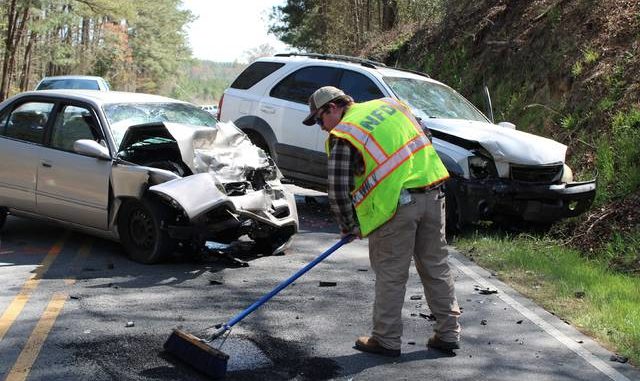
x: 29, y: 354
x: 18, y: 303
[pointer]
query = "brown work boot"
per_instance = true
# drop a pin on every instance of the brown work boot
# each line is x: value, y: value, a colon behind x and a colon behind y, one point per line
x: 436, y: 343
x: 371, y: 345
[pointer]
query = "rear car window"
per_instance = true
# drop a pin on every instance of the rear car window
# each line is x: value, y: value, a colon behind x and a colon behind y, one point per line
x: 255, y: 73
x: 299, y: 85
x: 27, y: 122
x: 359, y: 87
x: 81, y: 84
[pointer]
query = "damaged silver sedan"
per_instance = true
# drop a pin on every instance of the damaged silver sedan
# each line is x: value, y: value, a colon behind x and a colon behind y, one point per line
x: 152, y: 172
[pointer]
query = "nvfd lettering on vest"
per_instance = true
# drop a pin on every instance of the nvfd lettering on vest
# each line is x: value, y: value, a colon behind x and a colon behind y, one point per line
x: 377, y: 116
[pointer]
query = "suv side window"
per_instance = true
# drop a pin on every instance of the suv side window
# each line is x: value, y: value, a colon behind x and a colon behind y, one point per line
x: 27, y: 122
x: 298, y: 86
x: 255, y: 73
x: 73, y: 123
x: 359, y: 87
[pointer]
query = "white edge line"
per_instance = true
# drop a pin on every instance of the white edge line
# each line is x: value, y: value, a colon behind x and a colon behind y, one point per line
x: 540, y: 322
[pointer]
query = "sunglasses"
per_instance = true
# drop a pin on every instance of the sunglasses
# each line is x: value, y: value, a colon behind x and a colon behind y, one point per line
x: 319, y: 117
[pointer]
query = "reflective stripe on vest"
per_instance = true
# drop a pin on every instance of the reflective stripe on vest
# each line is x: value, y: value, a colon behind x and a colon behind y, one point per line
x: 364, y: 138
x: 388, y: 166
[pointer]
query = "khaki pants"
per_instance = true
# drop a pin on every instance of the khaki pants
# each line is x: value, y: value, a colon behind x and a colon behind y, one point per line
x: 417, y: 230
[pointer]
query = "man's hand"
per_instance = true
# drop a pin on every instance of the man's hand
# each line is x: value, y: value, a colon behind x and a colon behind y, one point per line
x: 354, y: 233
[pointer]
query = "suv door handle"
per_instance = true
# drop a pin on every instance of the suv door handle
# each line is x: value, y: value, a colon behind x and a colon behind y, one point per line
x: 46, y: 165
x: 268, y: 109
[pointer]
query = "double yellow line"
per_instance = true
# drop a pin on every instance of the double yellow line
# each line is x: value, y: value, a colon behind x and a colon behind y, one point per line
x: 29, y: 354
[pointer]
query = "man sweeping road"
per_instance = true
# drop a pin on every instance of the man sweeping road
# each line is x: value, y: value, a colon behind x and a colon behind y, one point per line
x: 383, y: 165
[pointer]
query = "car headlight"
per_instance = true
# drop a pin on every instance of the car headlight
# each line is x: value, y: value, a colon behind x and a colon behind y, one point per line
x: 480, y: 167
x: 567, y: 175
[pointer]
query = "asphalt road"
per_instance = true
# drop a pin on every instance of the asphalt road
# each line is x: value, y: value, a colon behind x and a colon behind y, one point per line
x: 73, y: 307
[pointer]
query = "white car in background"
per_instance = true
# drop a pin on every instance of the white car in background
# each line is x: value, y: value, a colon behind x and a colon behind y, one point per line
x: 211, y: 109
x: 152, y: 172
x: 75, y: 82
x: 497, y: 172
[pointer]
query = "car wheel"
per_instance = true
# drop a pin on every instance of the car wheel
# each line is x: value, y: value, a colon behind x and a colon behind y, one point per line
x: 3, y: 216
x: 257, y: 139
x: 141, y: 232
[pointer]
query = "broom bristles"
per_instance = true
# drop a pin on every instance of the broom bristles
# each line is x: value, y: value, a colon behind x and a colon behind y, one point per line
x: 197, y: 354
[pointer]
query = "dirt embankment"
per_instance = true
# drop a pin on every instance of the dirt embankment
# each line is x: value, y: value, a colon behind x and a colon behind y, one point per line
x: 558, y: 68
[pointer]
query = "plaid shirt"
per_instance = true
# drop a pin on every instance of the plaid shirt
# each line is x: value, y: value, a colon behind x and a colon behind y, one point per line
x: 344, y: 162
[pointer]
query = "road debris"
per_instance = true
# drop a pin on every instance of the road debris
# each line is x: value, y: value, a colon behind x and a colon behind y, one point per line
x: 429, y: 317
x: 580, y: 294
x: 327, y: 284
x: 415, y: 297
x: 130, y: 324
x: 485, y: 290
x: 519, y: 322
x: 484, y: 322
x: 618, y: 358
x: 213, y: 282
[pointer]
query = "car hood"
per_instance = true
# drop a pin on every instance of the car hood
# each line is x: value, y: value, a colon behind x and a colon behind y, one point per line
x: 504, y: 144
x: 223, y: 151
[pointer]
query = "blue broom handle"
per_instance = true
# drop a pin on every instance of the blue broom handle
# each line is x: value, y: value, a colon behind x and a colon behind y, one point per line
x: 287, y: 282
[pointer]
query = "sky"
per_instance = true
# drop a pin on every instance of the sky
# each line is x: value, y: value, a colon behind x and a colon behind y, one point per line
x: 225, y: 29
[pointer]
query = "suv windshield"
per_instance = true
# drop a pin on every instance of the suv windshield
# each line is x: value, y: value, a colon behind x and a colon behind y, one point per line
x: 123, y: 115
x: 433, y: 100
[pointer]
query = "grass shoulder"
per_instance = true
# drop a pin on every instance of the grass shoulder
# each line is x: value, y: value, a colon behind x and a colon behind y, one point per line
x: 585, y: 292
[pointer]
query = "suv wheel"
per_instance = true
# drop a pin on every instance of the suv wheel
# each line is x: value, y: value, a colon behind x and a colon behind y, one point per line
x: 3, y: 216
x: 141, y: 232
x: 259, y: 141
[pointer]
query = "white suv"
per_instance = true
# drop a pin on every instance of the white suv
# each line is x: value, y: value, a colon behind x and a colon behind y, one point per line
x: 497, y: 172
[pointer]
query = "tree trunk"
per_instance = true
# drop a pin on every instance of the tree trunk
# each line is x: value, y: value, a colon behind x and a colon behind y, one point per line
x: 389, y: 14
x: 26, y: 64
x: 9, y: 49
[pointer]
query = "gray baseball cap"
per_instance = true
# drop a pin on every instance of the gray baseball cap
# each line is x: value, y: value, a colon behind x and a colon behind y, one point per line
x: 319, y: 98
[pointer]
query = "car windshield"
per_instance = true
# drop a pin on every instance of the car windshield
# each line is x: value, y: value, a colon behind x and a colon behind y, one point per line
x: 123, y: 115
x: 69, y: 83
x: 433, y: 100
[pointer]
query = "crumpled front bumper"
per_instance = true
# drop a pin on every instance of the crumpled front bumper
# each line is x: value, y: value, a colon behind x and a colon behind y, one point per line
x: 496, y: 198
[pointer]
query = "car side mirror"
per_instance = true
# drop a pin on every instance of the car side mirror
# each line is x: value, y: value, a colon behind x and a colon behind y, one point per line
x: 91, y: 148
x: 507, y: 125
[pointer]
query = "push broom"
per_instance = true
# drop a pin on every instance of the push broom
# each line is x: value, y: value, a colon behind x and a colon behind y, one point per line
x: 199, y: 354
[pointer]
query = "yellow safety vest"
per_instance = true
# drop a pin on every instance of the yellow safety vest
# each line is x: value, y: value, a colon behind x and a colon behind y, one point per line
x: 397, y: 155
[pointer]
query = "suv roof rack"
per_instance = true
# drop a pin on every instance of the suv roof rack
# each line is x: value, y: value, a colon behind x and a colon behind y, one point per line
x: 336, y: 57
x: 362, y: 61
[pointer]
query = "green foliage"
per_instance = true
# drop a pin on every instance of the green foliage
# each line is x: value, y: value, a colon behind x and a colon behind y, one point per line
x: 136, y: 46
x: 568, y: 122
x: 618, y: 157
x: 576, y: 69
x: 623, y: 251
x: 590, y: 56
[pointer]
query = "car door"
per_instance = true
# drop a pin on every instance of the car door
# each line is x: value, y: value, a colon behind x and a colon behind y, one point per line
x: 72, y: 187
x: 298, y: 148
x: 22, y: 131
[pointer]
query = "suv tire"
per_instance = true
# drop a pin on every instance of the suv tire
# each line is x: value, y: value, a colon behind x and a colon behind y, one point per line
x: 141, y: 232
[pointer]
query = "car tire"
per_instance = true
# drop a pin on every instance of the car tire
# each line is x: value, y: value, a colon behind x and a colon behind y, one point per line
x: 140, y: 226
x: 3, y: 216
x: 259, y: 141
